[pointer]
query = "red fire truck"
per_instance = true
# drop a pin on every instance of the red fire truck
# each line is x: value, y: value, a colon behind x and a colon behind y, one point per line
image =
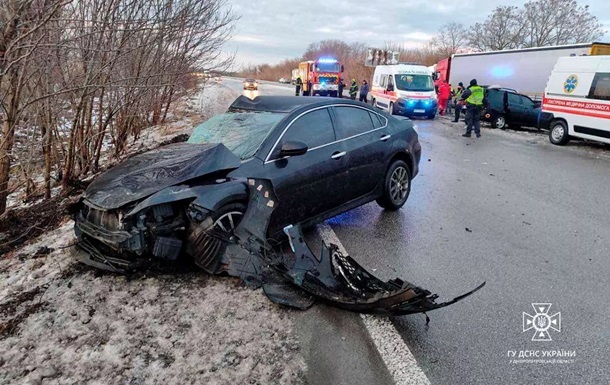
x: 321, y: 76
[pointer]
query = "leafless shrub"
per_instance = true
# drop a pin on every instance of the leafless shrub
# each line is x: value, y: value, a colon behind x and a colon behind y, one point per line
x: 80, y: 77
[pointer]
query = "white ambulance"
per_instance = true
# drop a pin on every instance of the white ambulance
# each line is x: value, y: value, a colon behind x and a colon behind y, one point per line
x: 578, y: 96
x: 404, y: 89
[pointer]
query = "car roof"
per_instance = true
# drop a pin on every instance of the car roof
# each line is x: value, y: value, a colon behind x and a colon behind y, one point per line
x: 286, y: 103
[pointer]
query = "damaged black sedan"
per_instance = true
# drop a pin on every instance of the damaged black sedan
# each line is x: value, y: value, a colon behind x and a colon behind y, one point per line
x: 322, y: 157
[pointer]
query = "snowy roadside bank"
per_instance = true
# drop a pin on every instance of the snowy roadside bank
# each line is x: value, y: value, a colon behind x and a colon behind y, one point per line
x: 61, y: 322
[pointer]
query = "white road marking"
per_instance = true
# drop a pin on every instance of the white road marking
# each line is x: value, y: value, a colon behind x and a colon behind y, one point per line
x: 395, y: 354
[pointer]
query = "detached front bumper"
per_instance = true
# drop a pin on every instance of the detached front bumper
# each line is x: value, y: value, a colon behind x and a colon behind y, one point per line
x: 416, y: 107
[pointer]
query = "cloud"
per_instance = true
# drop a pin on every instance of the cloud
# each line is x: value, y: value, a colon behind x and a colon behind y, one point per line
x: 272, y: 30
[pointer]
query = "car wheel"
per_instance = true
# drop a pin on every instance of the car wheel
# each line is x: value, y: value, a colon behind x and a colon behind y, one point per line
x: 206, y: 249
x: 374, y: 102
x: 559, y: 133
x: 396, y: 187
x: 391, y: 108
x: 499, y: 122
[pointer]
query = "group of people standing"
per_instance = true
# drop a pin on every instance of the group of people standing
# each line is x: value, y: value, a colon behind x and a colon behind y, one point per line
x: 353, y: 89
x: 471, y: 97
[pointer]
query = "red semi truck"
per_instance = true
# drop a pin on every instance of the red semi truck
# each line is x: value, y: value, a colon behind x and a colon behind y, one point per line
x: 525, y: 70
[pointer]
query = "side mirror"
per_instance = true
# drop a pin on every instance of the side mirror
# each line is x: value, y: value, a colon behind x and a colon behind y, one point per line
x: 342, y: 68
x: 293, y: 148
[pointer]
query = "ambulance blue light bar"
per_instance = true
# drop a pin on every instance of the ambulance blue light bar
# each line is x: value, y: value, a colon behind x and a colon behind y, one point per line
x: 327, y: 60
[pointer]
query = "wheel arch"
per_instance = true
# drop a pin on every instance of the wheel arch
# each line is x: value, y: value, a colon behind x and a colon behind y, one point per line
x: 559, y: 119
x: 212, y: 197
x: 405, y: 157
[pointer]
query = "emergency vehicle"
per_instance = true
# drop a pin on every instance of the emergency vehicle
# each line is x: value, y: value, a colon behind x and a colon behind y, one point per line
x: 321, y: 76
x: 404, y: 89
x: 578, y: 96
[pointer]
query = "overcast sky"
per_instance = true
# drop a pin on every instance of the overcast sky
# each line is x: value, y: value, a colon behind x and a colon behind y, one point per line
x: 272, y: 30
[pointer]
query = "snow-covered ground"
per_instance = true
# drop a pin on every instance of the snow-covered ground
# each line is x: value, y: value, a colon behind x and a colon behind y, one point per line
x: 64, y: 323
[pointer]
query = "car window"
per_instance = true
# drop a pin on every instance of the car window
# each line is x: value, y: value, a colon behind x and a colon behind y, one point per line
x: 353, y: 121
x: 527, y: 102
x: 241, y: 132
x: 378, y: 121
x: 495, y: 99
x: 314, y: 129
x: 600, y: 89
x: 514, y: 99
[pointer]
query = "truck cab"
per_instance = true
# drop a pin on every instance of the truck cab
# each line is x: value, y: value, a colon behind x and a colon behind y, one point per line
x: 404, y: 89
x: 321, y: 76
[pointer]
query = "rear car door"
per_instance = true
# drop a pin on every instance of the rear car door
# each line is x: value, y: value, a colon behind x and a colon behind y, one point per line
x: 367, y: 142
x: 309, y: 184
x: 530, y: 112
x: 515, y: 108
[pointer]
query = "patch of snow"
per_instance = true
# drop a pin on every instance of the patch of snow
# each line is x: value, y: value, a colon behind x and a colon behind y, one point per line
x: 92, y: 327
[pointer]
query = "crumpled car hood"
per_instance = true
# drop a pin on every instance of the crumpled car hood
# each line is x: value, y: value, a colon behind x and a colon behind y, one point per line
x: 145, y: 174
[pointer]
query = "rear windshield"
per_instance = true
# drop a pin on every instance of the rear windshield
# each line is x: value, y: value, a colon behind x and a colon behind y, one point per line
x: 240, y: 132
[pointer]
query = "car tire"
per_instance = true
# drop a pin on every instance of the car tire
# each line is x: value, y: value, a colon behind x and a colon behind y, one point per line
x: 391, y: 108
x: 206, y: 250
x: 559, y: 134
x: 396, y: 186
x: 373, y: 102
x: 499, y: 122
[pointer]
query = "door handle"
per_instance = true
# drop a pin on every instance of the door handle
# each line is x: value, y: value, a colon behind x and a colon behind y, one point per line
x: 338, y: 155
x: 385, y: 137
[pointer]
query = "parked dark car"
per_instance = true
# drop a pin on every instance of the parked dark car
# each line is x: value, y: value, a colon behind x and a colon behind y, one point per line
x: 322, y: 156
x: 504, y: 107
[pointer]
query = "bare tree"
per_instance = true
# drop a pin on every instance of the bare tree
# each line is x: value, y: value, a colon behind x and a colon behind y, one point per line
x: 81, y: 77
x: 450, y: 38
x: 22, y: 24
x: 503, y: 29
x: 556, y: 22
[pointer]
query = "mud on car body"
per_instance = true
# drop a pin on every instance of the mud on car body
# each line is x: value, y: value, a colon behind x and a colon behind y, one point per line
x: 322, y: 156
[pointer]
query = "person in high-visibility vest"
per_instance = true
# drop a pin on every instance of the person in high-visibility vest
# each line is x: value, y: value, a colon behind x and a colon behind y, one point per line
x: 474, y: 97
x: 353, y: 90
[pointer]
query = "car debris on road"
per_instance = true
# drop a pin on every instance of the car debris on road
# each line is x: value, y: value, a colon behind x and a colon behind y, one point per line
x: 299, y: 277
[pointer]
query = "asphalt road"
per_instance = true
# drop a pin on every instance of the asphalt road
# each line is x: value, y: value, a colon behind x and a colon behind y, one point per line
x: 511, y: 209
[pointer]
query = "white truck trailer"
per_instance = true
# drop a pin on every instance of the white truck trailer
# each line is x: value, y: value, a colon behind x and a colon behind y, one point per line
x: 525, y: 70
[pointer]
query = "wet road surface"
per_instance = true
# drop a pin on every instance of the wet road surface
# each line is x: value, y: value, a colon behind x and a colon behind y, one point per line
x: 511, y: 209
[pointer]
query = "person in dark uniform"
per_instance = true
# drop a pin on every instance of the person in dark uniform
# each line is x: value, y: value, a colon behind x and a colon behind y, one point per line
x: 341, y: 87
x: 364, y: 91
x: 299, y: 84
